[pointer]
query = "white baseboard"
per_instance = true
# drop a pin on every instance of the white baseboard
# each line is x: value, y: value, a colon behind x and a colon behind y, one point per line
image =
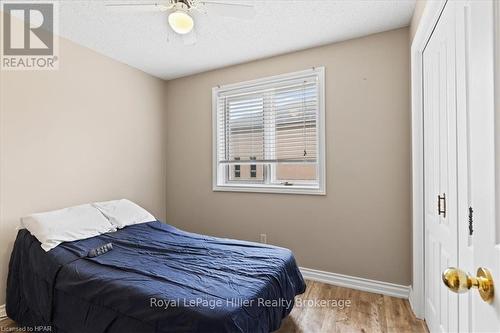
x: 410, y: 297
x: 3, y: 314
x: 373, y: 286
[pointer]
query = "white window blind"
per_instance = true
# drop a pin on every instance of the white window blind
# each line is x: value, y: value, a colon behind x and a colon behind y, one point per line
x: 269, y: 125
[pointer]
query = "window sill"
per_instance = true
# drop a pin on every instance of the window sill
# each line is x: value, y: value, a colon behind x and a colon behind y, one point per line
x: 270, y: 189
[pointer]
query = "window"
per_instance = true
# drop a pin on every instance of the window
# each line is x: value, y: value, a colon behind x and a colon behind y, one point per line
x: 269, y: 134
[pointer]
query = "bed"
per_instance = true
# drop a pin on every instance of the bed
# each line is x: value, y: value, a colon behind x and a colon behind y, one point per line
x: 157, y: 278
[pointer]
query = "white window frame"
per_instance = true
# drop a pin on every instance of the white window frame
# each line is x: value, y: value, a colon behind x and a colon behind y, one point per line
x: 296, y: 188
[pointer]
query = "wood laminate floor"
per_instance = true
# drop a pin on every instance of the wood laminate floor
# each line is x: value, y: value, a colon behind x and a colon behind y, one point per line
x: 366, y: 313
x: 325, y: 308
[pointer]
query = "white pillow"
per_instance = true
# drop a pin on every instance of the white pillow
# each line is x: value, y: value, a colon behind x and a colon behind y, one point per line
x: 122, y: 213
x: 66, y: 225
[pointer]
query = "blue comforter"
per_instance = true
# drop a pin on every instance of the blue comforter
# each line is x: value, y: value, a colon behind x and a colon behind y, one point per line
x: 156, y: 279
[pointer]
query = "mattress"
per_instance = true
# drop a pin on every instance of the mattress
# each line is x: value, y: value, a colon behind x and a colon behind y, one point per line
x: 157, y: 278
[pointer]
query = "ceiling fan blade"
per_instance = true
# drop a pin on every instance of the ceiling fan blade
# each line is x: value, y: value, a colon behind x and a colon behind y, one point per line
x: 139, y: 6
x: 190, y: 38
x: 243, y: 9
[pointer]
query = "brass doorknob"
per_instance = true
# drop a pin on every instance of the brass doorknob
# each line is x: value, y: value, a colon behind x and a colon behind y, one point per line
x: 460, y: 282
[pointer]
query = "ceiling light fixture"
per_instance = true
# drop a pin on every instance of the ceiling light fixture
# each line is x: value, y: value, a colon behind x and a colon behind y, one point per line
x: 179, y: 20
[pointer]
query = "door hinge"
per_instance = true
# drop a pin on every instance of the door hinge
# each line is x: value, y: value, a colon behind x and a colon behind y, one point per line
x: 471, y: 230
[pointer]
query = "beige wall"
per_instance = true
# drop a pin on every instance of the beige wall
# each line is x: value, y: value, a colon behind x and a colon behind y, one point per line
x: 94, y: 130
x: 417, y: 15
x: 362, y: 227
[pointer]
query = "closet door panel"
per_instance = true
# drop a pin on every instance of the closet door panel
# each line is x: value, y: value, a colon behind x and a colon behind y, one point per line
x: 440, y: 149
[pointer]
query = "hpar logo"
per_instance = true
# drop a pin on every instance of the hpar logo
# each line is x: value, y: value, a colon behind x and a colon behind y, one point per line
x: 29, y: 36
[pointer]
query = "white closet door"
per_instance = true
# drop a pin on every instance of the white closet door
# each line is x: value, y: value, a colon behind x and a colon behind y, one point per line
x: 440, y: 149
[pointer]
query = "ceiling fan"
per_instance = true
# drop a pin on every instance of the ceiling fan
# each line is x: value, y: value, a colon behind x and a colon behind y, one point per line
x: 180, y: 12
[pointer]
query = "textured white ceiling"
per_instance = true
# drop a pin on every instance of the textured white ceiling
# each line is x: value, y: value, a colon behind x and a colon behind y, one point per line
x: 145, y: 41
